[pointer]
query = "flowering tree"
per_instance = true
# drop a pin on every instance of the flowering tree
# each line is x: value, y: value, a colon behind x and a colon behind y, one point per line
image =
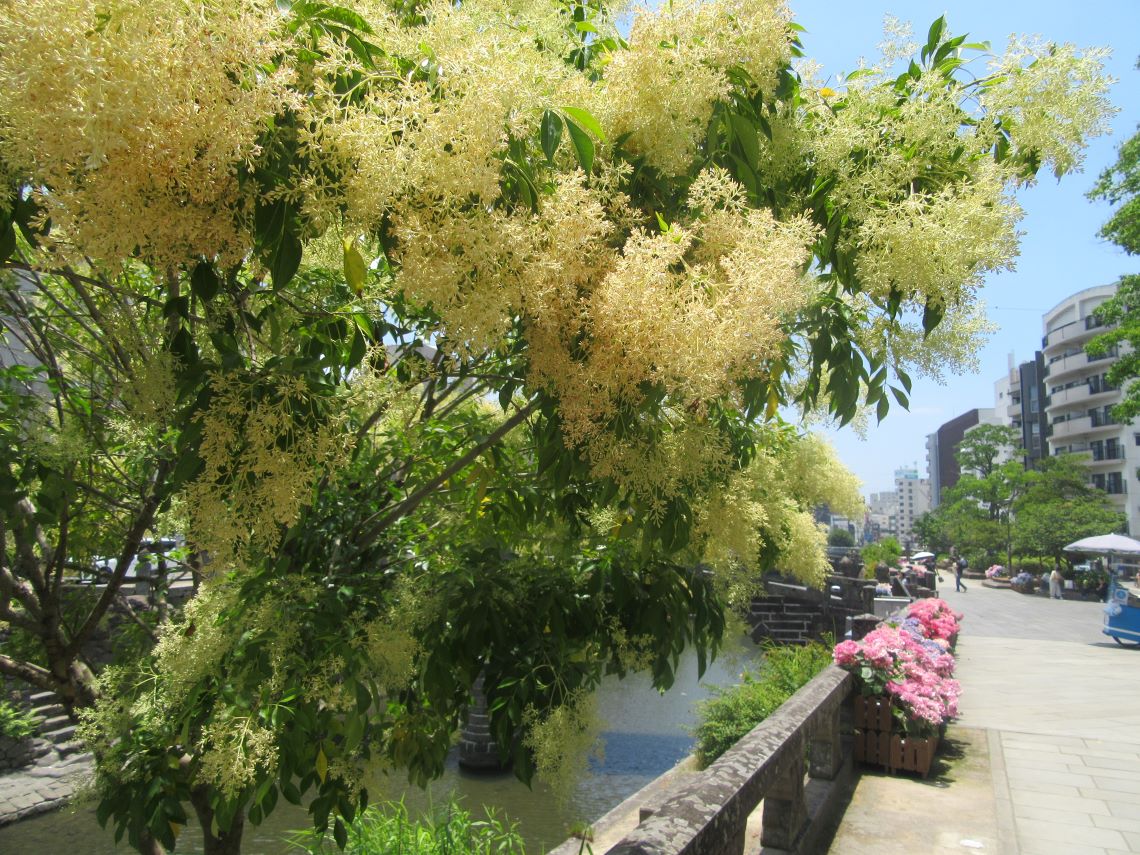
x: 360, y: 225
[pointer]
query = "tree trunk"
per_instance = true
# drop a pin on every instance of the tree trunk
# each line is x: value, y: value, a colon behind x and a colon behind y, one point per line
x: 72, y: 680
x: 225, y: 842
x: 76, y: 687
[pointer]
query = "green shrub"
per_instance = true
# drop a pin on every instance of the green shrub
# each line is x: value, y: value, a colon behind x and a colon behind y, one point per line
x: 733, y: 711
x: 387, y: 828
x: 15, y: 723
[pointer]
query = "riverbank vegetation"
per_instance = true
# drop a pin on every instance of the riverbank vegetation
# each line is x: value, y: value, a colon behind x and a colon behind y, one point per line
x: 388, y: 828
x: 724, y: 719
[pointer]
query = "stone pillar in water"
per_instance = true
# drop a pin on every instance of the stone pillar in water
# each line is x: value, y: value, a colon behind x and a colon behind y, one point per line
x: 478, y: 751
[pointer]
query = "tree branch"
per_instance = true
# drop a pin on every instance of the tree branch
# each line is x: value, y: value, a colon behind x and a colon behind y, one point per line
x: 143, y: 520
x: 409, y: 504
x: 27, y: 672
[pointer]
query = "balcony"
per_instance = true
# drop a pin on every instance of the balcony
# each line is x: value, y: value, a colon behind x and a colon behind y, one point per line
x: 1105, y: 458
x: 1079, y: 393
x: 1062, y: 366
x: 1075, y: 331
x: 1102, y: 418
x: 1069, y: 428
x: 1111, y: 353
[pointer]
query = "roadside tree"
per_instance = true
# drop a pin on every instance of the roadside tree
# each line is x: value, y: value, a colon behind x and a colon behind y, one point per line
x: 1059, y: 507
x: 1120, y: 185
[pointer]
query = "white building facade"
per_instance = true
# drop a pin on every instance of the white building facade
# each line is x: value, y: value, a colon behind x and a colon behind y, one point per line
x: 1079, y: 400
x: 913, y: 500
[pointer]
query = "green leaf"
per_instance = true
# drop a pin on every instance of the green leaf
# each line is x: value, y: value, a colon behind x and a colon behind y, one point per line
x: 358, y: 349
x: 583, y: 145
x: 586, y: 120
x: 550, y: 133
x: 900, y: 396
x: 934, y: 34
x: 354, y: 266
x: 882, y: 408
x: 931, y: 317
x: 345, y: 17
x: 322, y: 765
x: 7, y: 242
x: 506, y: 394
x: 745, y: 131
x: 285, y: 259
x: 363, y: 698
x: 340, y: 833
x: 204, y: 281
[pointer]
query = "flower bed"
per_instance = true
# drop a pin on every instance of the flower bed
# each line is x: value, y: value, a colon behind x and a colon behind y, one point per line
x: 997, y: 571
x: 1024, y: 583
x: 907, y: 691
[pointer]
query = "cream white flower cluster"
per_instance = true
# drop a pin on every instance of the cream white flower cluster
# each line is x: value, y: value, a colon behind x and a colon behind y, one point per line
x: 137, y: 124
x: 137, y: 118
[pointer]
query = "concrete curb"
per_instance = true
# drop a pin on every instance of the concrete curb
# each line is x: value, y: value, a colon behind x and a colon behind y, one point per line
x: 1003, y: 801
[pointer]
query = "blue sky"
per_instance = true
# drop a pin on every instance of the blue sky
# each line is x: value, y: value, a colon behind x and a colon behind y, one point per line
x: 1060, y: 251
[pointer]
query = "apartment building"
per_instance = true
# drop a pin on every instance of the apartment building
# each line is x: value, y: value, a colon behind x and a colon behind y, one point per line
x: 1079, y: 401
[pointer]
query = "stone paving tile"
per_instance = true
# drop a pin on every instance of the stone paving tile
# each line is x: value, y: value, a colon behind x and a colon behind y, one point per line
x: 1119, y: 774
x: 1034, y: 846
x: 1113, y: 761
x: 1018, y: 776
x: 1062, y: 833
x: 1120, y: 823
x: 1069, y: 817
x: 1055, y: 802
x: 1108, y: 795
x: 1024, y: 759
x: 1044, y: 788
x: 1129, y: 810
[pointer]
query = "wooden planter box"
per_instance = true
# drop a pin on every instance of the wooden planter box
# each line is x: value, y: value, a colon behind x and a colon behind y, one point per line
x: 878, y: 743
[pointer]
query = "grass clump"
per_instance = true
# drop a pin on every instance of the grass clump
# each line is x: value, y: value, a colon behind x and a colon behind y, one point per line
x: 733, y: 711
x: 15, y: 723
x: 388, y: 829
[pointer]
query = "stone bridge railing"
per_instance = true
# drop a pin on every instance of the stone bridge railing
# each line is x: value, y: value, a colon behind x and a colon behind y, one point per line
x: 707, y: 814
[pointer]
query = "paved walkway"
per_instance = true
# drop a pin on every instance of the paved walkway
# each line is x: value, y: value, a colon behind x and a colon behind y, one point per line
x: 42, y: 787
x: 1051, y: 710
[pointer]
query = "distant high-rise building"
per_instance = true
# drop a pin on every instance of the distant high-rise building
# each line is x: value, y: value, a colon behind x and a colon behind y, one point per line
x: 913, y: 500
x: 942, y: 448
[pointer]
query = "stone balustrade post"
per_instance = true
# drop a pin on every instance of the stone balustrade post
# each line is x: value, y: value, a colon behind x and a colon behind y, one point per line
x: 863, y: 624
x: 825, y: 752
x: 785, y: 808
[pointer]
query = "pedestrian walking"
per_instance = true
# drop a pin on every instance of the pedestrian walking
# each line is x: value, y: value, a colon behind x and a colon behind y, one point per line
x: 1055, y: 580
x: 959, y: 568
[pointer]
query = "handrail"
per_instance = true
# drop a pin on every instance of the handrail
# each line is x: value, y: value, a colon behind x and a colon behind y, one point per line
x: 708, y: 814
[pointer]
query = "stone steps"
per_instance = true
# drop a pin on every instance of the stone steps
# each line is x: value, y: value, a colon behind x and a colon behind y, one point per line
x: 56, y: 729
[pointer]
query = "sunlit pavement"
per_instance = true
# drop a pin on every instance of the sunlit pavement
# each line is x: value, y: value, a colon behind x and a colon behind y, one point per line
x: 1052, y: 707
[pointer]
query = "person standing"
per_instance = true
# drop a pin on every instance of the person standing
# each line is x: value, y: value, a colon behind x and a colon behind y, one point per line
x: 959, y: 568
x: 1055, y: 580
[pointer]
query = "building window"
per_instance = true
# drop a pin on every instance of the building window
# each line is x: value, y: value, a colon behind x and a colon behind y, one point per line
x: 1114, y: 483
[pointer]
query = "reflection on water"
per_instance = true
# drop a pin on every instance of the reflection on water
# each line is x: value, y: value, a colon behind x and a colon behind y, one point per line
x: 646, y: 734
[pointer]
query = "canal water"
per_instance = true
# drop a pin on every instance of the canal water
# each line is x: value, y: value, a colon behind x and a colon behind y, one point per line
x: 645, y: 734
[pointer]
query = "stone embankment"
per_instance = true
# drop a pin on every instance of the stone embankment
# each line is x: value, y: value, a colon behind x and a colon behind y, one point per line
x: 51, y: 766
